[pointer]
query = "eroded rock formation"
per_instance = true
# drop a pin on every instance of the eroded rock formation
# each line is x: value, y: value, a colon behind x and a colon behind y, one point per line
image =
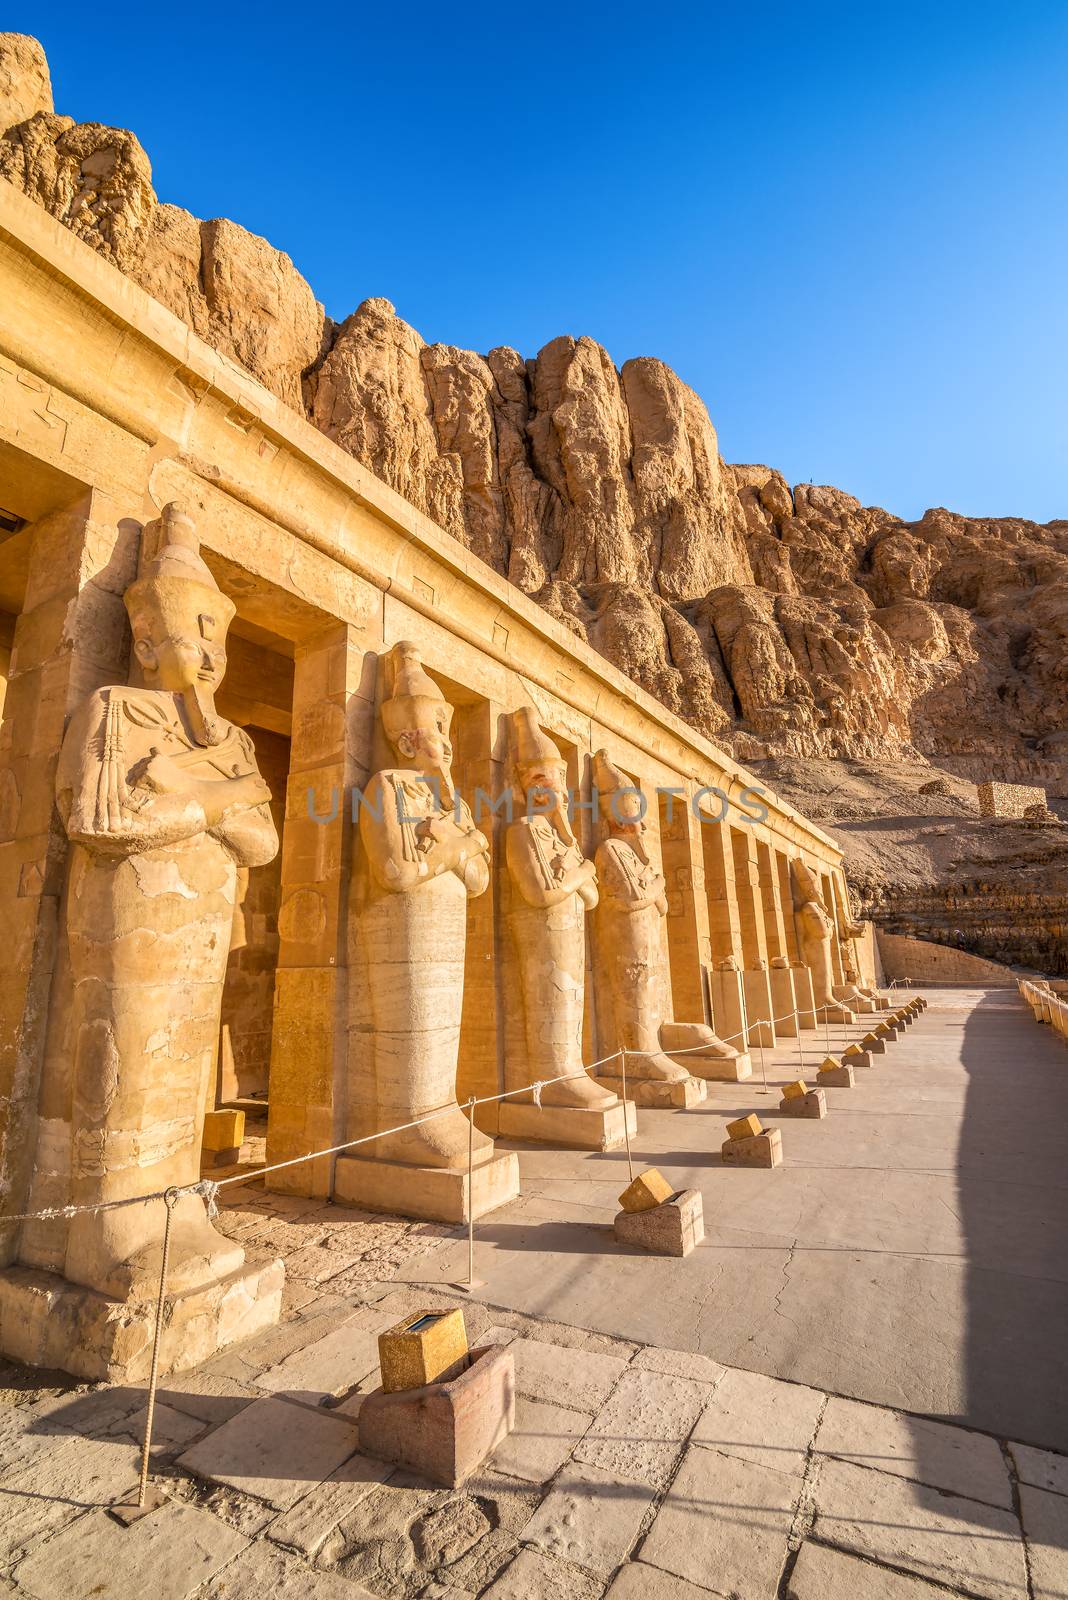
x: 778, y: 620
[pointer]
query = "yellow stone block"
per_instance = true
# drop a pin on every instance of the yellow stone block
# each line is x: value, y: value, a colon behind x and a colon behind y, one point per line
x: 852, y: 1050
x: 223, y: 1130
x: 745, y: 1127
x: 828, y: 1064
x: 870, y: 1038
x: 649, y: 1189
x: 427, y: 1347
x: 798, y: 1090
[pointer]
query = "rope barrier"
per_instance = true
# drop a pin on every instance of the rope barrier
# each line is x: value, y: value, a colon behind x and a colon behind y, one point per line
x: 208, y: 1188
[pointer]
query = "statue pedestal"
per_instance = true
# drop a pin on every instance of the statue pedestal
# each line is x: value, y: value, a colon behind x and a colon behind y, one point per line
x: 835, y: 1013
x: 434, y: 1194
x: 806, y: 1004
x: 47, y: 1321
x: 655, y: 1094
x: 784, y: 1002
x: 575, y: 1127
x: 717, y: 1069
x: 848, y: 995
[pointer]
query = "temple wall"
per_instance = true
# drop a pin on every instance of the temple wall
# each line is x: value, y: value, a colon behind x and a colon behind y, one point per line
x: 111, y: 408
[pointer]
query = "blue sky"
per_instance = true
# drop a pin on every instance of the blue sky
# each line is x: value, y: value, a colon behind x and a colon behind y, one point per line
x: 846, y: 226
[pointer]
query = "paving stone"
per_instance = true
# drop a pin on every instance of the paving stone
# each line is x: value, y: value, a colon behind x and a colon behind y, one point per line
x: 957, y: 1542
x: 169, y: 1427
x: 824, y: 1574
x: 1045, y: 1522
x: 264, y: 1572
x: 333, y: 1364
x: 211, y: 1399
x: 316, y: 1264
x: 1043, y: 1468
x: 589, y: 1518
x: 274, y: 1450
x: 680, y: 1364
x: 638, y: 1581
x: 725, y: 1519
x: 510, y: 1501
x: 308, y: 1524
x: 950, y: 1458
x: 483, y: 1563
x: 639, y: 1432
x: 541, y: 1441
x: 166, y: 1554
x: 563, y: 1376
x: 62, y: 1479
x: 761, y: 1419
x: 536, y: 1576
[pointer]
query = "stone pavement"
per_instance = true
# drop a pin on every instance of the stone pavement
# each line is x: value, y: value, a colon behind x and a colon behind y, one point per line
x: 639, y: 1469
x: 910, y: 1251
x: 634, y: 1471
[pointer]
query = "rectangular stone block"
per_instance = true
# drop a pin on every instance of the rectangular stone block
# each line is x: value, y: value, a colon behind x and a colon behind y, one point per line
x: 673, y: 1228
x: 715, y: 1069
x: 436, y: 1194
x: 653, y: 1095
x: 444, y: 1431
x: 572, y: 1126
x: 873, y: 1044
x: 427, y: 1347
x: 835, y: 1076
x: 223, y: 1130
x: 795, y: 1091
x: 856, y: 1057
x: 744, y: 1127
x: 811, y: 1104
x: 649, y: 1189
x: 763, y: 1150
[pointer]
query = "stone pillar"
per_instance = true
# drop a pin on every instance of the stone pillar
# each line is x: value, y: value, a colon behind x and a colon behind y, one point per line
x: 780, y: 975
x: 689, y: 938
x: 728, y: 996
x: 309, y: 1045
x: 755, y: 975
x: 69, y: 639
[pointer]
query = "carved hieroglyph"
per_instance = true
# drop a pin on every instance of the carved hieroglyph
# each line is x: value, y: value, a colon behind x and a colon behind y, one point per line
x: 163, y: 803
x: 631, y: 914
x: 425, y: 857
x: 553, y: 886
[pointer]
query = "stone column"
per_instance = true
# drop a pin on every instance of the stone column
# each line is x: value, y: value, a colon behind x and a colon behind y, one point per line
x: 689, y: 938
x: 755, y: 975
x: 783, y: 997
x: 69, y: 639
x: 332, y: 714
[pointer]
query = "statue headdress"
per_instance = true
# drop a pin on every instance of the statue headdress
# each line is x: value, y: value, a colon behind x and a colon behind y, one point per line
x: 174, y: 582
x: 413, y: 700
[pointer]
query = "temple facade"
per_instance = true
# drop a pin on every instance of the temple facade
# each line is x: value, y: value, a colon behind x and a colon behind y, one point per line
x: 393, y: 889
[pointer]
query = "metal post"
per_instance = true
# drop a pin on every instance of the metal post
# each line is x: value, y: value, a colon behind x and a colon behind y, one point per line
x: 170, y: 1200
x: 626, y: 1120
x: 471, y: 1192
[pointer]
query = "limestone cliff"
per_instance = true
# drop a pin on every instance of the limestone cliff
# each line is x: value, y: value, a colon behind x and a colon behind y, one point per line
x: 782, y: 621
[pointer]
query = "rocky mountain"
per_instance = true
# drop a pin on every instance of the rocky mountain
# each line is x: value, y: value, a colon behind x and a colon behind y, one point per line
x: 781, y: 621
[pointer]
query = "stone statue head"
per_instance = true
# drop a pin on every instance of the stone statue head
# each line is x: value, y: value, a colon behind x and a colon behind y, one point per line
x: 622, y: 803
x: 179, y: 618
x: 806, y: 885
x: 416, y: 715
x: 540, y: 769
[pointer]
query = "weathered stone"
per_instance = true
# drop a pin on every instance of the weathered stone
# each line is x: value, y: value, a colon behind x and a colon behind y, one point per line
x: 582, y: 1379
x: 543, y: 1437
x: 673, y: 1228
x: 168, y: 1553
x: 580, y: 1520
x: 811, y: 1104
x: 1045, y: 1524
x: 763, y: 1150
x: 1042, y: 1468
x: 761, y: 1419
x: 273, y: 1449
x: 639, y: 1433
x: 907, y: 1525
x: 444, y: 1431
x: 266, y: 1571
x: 533, y: 1575
x: 726, y: 1516
x: 427, y: 1347
x: 823, y: 1574
x: 636, y: 1580
x: 928, y: 1452
x: 309, y: 1523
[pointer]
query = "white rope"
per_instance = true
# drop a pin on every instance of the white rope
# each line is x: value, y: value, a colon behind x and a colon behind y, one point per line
x: 209, y: 1188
